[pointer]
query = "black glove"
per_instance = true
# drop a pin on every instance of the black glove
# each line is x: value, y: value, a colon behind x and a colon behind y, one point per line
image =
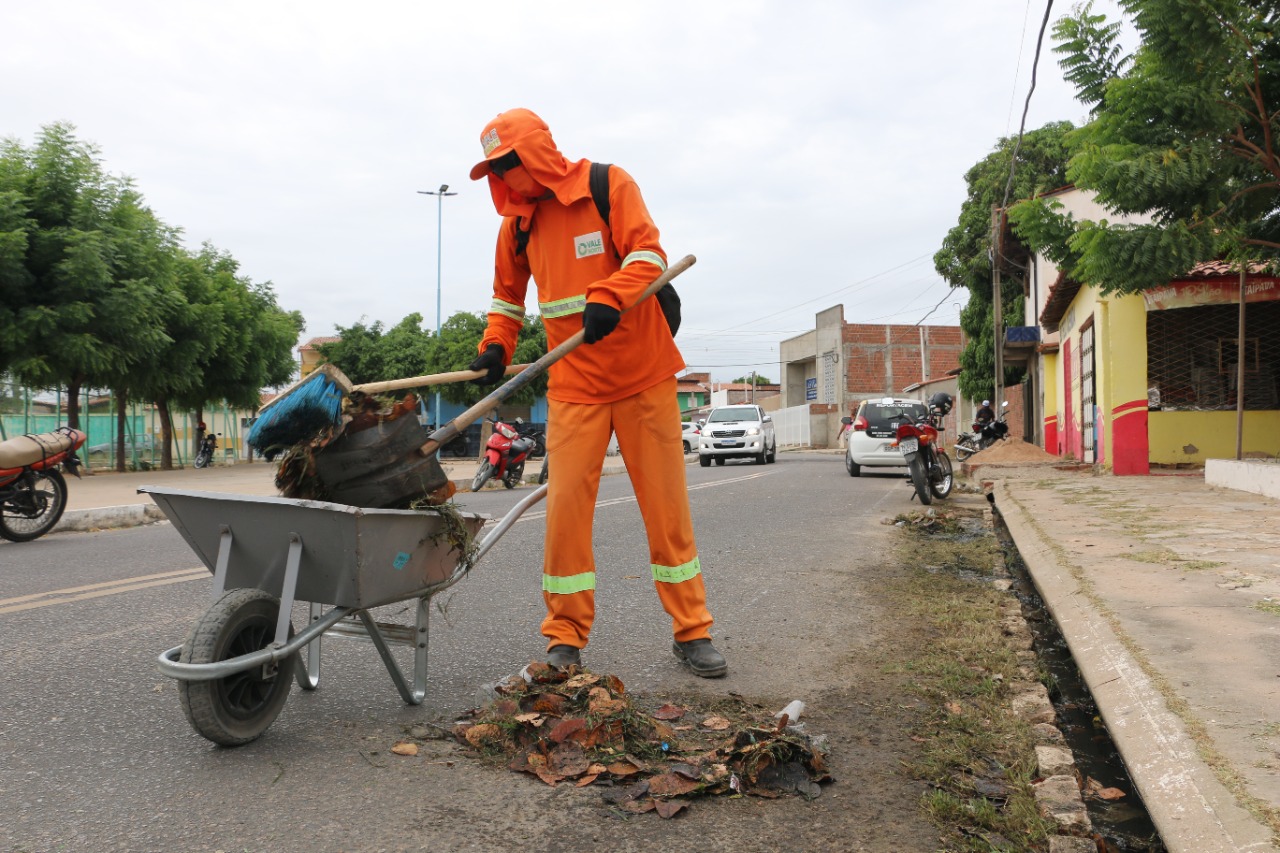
x: 599, y: 320
x: 669, y: 302
x: 492, y: 360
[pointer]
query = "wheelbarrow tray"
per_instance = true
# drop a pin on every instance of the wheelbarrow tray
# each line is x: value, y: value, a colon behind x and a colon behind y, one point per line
x: 351, y: 557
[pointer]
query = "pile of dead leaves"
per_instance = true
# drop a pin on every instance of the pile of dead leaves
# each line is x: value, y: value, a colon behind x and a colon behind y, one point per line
x: 571, y: 725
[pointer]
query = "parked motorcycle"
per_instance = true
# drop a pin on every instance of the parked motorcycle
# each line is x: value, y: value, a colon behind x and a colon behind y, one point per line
x: 506, y: 451
x: 208, y: 444
x: 983, y: 436
x: 33, y: 493
x: 920, y: 444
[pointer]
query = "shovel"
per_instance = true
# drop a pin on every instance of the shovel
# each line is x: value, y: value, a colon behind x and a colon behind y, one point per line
x: 413, y: 475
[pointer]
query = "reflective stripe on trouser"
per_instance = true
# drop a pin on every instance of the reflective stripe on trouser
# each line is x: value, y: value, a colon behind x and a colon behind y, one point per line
x: 648, y: 429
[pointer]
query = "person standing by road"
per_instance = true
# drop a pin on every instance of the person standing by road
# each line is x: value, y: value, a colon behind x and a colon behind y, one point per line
x: 587, y: 272
x: 985, y: 414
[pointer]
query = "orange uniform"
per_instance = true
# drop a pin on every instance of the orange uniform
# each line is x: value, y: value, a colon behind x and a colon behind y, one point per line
x: 623, y: 383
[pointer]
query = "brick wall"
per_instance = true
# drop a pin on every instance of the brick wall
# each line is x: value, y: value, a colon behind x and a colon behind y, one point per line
x: 881, y: 360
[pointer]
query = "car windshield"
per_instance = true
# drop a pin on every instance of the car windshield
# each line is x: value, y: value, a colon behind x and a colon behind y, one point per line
x: 746, y: 413
x: 884, y: 414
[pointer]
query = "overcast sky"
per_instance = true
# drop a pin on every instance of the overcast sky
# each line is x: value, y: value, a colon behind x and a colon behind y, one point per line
x: 808, y: 154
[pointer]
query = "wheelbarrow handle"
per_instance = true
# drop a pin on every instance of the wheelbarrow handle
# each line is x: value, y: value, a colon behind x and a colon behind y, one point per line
x: 432, y: 379
x: 533, y: 371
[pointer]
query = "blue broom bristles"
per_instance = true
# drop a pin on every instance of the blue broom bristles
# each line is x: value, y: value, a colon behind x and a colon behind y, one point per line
x: 303, y: 413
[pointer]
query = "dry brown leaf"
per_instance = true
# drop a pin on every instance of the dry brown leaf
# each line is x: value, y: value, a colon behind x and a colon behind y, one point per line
x: 537, y: 760
x: 640, y: 806
x: 532, y: 717
x: 484, y: 733
x: 668, y: 712
x: 548, y: 703
x: 405, y: 748
x: 954, y: 708
x: 623, y: 768
x: 716, y: 724
x: 668, y: 809
x: 615, y: 685
x: 547, y: 776
x: 1110, y: 793
x: 586, y: 780
x: 597, y: 769
x: 566, y: 729
x: 603, y: 704
x: 672, y: 785
x: 568, y: 759
x: 582, y: 679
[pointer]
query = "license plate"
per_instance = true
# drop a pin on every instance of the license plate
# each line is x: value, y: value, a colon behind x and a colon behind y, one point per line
x: 728, y: 444
x: 909, y: 445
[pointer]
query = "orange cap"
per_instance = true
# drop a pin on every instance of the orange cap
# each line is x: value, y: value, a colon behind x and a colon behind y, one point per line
x: 501, y: 134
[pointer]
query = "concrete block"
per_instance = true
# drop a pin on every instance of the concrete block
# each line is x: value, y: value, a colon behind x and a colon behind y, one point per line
x: 1059, y: 800
x: 1055, y: 761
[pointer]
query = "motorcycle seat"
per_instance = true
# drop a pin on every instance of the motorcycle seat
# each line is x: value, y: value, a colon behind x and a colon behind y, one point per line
x: 26, y: 450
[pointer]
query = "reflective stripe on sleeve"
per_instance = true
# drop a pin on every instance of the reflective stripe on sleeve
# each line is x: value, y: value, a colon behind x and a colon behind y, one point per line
x: 676, y: 574
x: 563, y: 307
x: 568, y: 585
x: 652, y: 257
x: 507, y: 309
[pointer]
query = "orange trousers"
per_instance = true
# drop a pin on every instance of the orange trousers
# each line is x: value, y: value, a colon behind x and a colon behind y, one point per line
x: 648, y: 428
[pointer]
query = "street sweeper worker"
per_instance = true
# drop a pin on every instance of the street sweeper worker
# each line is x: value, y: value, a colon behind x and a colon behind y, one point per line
x: 588, y: 271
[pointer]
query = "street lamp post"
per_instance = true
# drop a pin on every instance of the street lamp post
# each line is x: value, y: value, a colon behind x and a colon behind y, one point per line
x: 439, y: 194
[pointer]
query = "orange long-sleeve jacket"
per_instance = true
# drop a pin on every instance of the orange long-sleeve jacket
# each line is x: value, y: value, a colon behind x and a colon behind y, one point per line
x: 575, y: 257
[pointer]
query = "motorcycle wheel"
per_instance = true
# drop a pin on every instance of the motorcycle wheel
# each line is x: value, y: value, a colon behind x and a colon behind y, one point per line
x: 963, y: 453
x: 34, y: 511
x: 202, y: 458
x: 920, y: 480
x: 941, y: 482
x: 482, y: 475
x: 512, y: 478
x: 542, y: 475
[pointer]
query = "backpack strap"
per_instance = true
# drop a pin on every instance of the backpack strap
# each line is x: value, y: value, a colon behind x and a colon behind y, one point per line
x: 599, y: 181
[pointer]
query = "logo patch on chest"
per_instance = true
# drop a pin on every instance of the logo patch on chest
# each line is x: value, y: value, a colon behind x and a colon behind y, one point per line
x: 588, y: 245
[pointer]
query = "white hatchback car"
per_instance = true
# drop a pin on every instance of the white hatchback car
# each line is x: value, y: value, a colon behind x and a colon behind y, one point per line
x: 873, y: 430
x: 691, y: 433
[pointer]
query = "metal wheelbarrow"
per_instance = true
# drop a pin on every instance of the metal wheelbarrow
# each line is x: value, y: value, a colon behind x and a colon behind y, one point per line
x: 236, y: 668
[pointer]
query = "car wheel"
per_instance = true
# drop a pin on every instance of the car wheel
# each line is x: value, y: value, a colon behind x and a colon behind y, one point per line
x: 687, y: 448
x: 704, y: 461
x: 773, y: 454
x: 852, y: 467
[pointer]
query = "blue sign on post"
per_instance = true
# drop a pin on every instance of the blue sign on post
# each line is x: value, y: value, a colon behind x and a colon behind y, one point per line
x: 811, y: 389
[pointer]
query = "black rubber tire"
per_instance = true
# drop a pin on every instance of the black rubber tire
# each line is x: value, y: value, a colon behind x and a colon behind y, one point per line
x: 704, y: 461
x: 772, y: 455
x: 854, y: 469
x: 920, y: 480
x: 483, y: 474
x: 203, y: 458
x: 512, y: 478
x: 941, y: 487
x: 687, y: 448
x: 762, y: 458
x: 542, y: 475
x: 49, y: 496
x: 235, y: 710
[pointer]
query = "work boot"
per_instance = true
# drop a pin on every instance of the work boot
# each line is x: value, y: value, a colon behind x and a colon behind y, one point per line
x: 701, y: 657
x: 563, y: 656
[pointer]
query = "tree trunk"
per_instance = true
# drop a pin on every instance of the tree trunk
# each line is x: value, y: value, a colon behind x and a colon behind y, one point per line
x: 122, y: 401
x: 166, y: 434
x: 73, y: 402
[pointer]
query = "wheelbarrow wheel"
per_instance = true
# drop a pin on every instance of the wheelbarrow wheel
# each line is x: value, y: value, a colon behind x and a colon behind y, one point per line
x: 236, y: 709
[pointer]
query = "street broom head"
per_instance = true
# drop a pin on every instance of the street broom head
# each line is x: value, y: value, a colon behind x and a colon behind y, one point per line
x: 303, y: 410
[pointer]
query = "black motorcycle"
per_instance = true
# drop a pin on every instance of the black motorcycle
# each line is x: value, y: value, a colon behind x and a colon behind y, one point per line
x: 983, y: 436
x: 208, y: 444
x: 33, y: 492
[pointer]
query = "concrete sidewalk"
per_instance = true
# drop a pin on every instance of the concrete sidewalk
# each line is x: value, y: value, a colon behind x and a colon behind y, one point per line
x: 1167, y: 591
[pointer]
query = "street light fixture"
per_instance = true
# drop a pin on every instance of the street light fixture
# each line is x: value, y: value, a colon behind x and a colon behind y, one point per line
x: 439, y: 194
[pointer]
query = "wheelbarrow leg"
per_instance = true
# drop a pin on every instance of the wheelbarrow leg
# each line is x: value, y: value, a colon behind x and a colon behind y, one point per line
x: 308, y: 675
x: 411, y: 696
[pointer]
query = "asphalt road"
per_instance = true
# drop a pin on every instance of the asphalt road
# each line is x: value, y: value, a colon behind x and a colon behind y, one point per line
x: 95, y: 752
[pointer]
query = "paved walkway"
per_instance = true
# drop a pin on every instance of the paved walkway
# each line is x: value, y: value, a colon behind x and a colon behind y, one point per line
x: 1168, y: 593
x: 1166, y: 589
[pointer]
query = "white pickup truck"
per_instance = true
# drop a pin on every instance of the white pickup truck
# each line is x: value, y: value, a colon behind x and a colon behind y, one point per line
x: 737, y: 432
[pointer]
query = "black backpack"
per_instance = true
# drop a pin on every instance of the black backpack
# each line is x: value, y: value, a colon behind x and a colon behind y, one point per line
x: 668, y: 299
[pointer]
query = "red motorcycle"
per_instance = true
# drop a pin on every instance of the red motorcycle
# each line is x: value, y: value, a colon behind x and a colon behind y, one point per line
x: 33, y: 493
x: 921, y: 447
x: 505, y: 453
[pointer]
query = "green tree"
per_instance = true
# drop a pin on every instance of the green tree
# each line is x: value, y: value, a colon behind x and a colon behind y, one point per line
x: 965, y: 259
x: 1183, y: 129
x: 755, y: 378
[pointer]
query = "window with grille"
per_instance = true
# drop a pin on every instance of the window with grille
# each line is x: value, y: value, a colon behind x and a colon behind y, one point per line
x: 1192, y: 353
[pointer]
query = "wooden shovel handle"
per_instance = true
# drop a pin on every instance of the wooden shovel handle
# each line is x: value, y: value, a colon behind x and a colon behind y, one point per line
x: 432, y: 379
x: 533, y: 371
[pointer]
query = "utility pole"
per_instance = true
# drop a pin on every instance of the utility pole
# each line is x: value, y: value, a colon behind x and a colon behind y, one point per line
x: 997, y: 309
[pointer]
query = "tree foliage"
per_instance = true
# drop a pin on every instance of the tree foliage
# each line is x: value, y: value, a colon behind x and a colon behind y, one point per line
x: 97, y: 292
x: 965, y: 259
x: 372, y: 353
x: 1183, y: 133
x: 755, y: 378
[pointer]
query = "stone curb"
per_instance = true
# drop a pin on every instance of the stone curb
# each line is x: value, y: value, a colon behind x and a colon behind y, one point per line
x: 105, y: 517
x: 1191, y: 809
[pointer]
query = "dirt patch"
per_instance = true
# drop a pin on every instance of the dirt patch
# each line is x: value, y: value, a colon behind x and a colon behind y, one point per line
x: 1014, y: 451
